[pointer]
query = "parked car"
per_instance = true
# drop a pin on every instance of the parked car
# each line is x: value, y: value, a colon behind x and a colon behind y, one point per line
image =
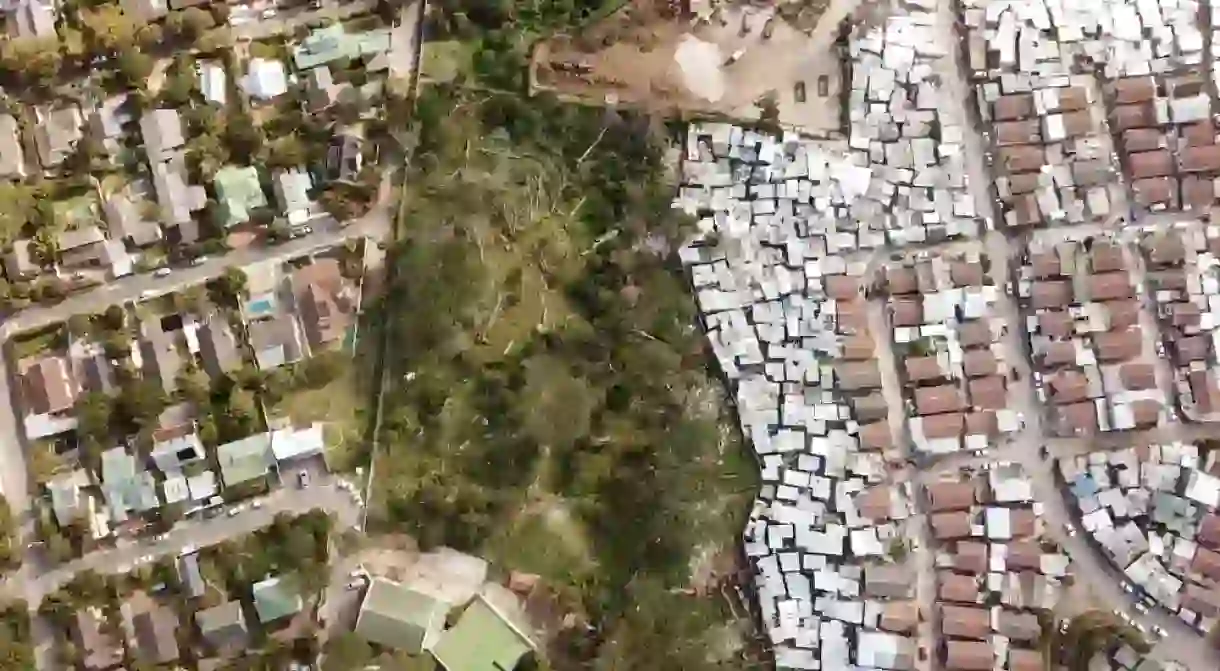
x: 303, y: 477
x: 162, y: 272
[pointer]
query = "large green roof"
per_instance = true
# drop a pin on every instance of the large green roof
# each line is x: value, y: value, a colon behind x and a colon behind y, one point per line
x: 482, y: 640
x: 399, y: 617
x: 275, y: 598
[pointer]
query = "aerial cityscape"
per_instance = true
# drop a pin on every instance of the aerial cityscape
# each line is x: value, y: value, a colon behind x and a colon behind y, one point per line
x: 656, y: 335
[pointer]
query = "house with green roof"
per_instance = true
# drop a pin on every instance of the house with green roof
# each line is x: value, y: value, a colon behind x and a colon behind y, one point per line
x: 276, y: 598
x: 239, y: 190
x: 331, y: 43
x: 245, y: 460
x: 482, y: 640
x: 398, y: 617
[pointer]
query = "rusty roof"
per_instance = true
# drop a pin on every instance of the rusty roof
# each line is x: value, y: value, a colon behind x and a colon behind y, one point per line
x: 1142, y: 139
x: 1127, y: 117
x: 934, y: 400
x: 1200, y: 159
x: 1050, y: 294
x: 1154, y: 190
x: 1013, y: 106
x: 979, y: 362
x: 906, y: 312
x: 975, y: 333
x: 944, y: 425
x: 951, y: 496
x: 1134, y: 90
x: 1022, y: 158
x: 1118, y: 345
x: 988, y: 393
x: 982, y: 423
x: 1018, y: 132
x: 965, y: 621
x: 921, y: 368
x: 1067, y: 386
x: 876, y: 436
x: 1056, y: 324
x: 855, y: 375
x: 1078, y: 418
x: 1198, y: 134
x: 951, y: 525
x: 958, y: 587
x: 1108, y: 286
x: 1198, y: 191
x: 971, y: 557
x: 842, y: 287
x: 966, y: 274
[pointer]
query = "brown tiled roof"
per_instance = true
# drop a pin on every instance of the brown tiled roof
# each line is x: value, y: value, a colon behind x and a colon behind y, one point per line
x: 975, y: 333
x: 874, y: 502
x: 951, y: 496
x: 1109, y: 286
x: 1200, y: 159
x: 966, y: 274
x: 1124, y: 313
x: 1154, y: 190
x: 921, y: 368
x: 859, y: 347
x: 933, y: 400
x: 1209, y: 531
x: 1067, y: 386
x: 869, y: 408
x: 1050, y: 294
x: 1198, y: 192
x: 1018, y: 132
x: 1013, y: 106
x: 1077, y: 123
x: 1056, y: 324
x: 979, y: 362
x: 1198, y: 134
x: 988, y: 393
x: 1191, y: 348
x: 1133, y: 116
x: 855, y: 375
x: 1143, y: 139
x: 982, y: 423
x: 841, y: 287
x: 1019, y: 626
x: 1106, y: 257
x: 1134, y: 90
x: 969, y: 656
x: 1158, y: 163
x: 899, y: 616
x: 876, y: 436
x: 47, y: 385
x: 1079, y: 418
x: 1072, y: 98
x: 1118, y: 345
x: 1137, y: 376
x: 1024, y: 554
x: 951, y: 525
x: 944, y: 425
x: 906, y: 312
x: 901, y: 280
x: 971, y: 557
x: 1025, y: 660
x: 1023, y: 522
x: 965, y: 621
x: 1185, y: 314
x: 1045, y: 265
x: 958, y: 587
x: 1145, y: 412
x: 1205, y: 391
x: 1022, y: 158
x: 1059, y: 354
x: 852, y: 316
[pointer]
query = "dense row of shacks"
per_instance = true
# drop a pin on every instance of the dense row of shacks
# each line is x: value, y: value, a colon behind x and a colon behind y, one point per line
x: 1153, y: 510
x: 1093, y: 366
x: 903, y: 128
x: 946, y: 338
x: 1184, y: 279
x: 993, y: 575
x: 786, y: 320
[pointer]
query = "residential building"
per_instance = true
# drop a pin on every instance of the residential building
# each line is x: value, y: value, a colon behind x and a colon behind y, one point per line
x: 290, y: 443
x: 213, y: 82
x: 68, y: 498
x: 218, y: 347
x: 276, y: 598
x: 292, y: 195
x: 125, y: 222
x: 325, y: 302
x: 239, y: 191
x: 345, y: 157
x: 178, y: 198
x: 224, y: 626
x: 276, y: 341
x: 125, y: 486
x: 160, y: 356
x: 266, y: 79
x: 12, y: 157
x: 56, y: 133
x: 245, y: 460
x: 32, y: 19
x: 98, y: 649
x: 190, y: 576
x: 333, y: 43
x: 321, y: 88
x: 152, y: 626
x: 482, y: 639
x: 48, y: 393
x: 395, y: 616
x: 162, y: 133
x: 145, y: 10
x: 82, y: 246
x: 176, y: 447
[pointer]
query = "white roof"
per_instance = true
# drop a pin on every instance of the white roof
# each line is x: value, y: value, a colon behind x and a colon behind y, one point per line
x: 266, y: 79
x: 1203, y: 488
x: 292, y: 443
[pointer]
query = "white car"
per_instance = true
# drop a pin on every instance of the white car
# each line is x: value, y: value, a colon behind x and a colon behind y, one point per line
x: 190, y: 549
x: 1159, y: 631
x: 162, y: 272
x: 258, y: 503
x: 1071, y: 528
x: 1141, y: 608
x: 269, y: 13
x: 234, y: 512
x: 355, y: 584
x: 1126, y: 587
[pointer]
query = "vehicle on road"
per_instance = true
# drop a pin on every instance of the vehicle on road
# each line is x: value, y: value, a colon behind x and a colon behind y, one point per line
x: 199, y: 261
x: 1071, y: 528
x: 190, y: 549
x: 258, y: 503
x: 234, y: 511
x: 303, y: 477
x: 355, y: 585
x: 1141, y: 608
x: 269, y: 13
x: 1127, y: 587
x: 162, y: 272
x: 1159, y: 631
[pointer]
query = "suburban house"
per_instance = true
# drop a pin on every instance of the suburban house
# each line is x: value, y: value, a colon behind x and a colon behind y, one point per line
x: 224, y: 627
x: 325, y: 302
x: 484, y: 638
x: 345, y: 157
x: 47, y: 385
x: 151, y: 627
x: 178, y: 199
x: 162, y: 132
x: 109, y: 122
x: 56, y: 133
x: 32, y: 18
x: 160, y: 357
x: 12, y: 157
x: 276, y: 598
x: 83, y: 246
x: 98, y: 649
x: 126, y: 222
x: 276, y: 341
x: 69, y: 501
x: 145, y: 10
x: 238, y: 191
x: 321, y: 88
x: 176, y: 447
x: 213, y: 82
x: 189, y: 575
x: 333, y: 43
x: 292, y: 195
x: 289, y: 443
x: 219, y: 347
x: 245, y: 460
x: 398, y: 617
x: 126, y: 487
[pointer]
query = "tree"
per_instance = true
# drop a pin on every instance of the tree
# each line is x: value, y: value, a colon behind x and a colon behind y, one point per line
x: 94, y: 411
x: 190, y: 23
x: 230, y: 288
x: 243, y: 405
x: 79, y: 325
x: 135, y: 66
x: 142, y: 402
x: 193, y: 385
x: 108, y: 28
x: 34, y: 60
x: 243, y: 139
x: 17, y: 208
x: 347, y: 651
x: 150, y: 36
x: 551, y: 391
x: 287, y: 152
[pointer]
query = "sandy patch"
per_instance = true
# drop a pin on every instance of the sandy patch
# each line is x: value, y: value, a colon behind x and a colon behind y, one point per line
x: 700, y: 66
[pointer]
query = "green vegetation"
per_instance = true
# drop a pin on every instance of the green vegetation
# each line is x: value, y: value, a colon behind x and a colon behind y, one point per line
x: 16, y: 651
x: 547, y: 384
x: 290, y: 545
x: 1086, y: 635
